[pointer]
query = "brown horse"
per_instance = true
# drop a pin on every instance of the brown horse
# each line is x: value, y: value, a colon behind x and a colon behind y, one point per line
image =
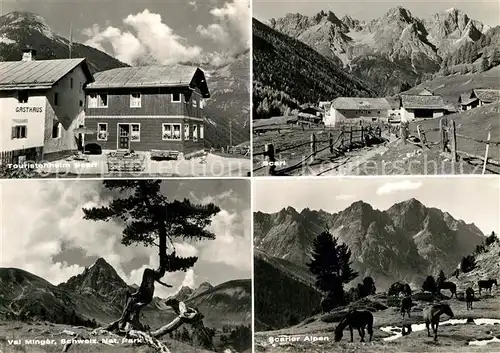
x: 469, y: 297
x: 487, y: 284
x: 451, y: 286
x: 406, y: 304
x: 359, y: 319
x: 432, y: 314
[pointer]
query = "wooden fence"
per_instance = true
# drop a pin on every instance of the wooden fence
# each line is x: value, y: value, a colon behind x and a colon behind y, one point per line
x: 243, y: 150
x: 348, y: 137
x: 449, y: 141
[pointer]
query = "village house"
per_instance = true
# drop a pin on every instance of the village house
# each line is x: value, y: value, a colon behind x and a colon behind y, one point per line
x: 148, y: 108
x: 353, y: 109
x: 421, y: 106
x: 466, y: 102
x: 41, y: 105
x: 311, y: 115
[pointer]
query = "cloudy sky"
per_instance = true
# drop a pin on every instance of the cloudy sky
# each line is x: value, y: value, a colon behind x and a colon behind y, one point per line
x: 43, y: 232
x: 168, y: 31
x: 486, y: 11
x: 474, y: 200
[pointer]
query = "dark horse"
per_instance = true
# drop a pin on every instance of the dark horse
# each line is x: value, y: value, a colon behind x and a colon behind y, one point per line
x: 358, y: 319
x: 431, y: 316
x: 406, y: 304
x: 399, y: 287
x: 469, y: 297
x: 487, y: 284
x: 451, y: 286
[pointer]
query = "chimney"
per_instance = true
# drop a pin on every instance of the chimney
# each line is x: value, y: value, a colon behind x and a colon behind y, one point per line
x: 29, y: 54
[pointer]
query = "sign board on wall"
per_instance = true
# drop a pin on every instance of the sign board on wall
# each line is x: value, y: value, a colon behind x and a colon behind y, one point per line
x: 29, y: 110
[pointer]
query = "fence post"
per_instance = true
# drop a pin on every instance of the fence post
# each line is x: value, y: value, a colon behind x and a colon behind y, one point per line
x: 342, y: 136
x: 453, y: 142
x: 313, y: 147
x: 363, y: 135
x: 270, y: 159
x: 330, y: 137
x: 350, y: 136
x: 442, y: 130
x: 420, y: 135
x: 486, y: 153
x: 403, y: 132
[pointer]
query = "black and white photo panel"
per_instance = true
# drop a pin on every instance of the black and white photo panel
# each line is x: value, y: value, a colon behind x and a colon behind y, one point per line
x: 375, y: 87
x: 376, y: 264
x: 125, y: 266
x: 124, y: 88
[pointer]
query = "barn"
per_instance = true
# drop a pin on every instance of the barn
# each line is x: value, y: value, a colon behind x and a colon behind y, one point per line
x: 344, y: 109
x: 486, y: 96
x: 421, y: 106
x: 467, y: 102
x: 41, y: 105
x: 148, y: 108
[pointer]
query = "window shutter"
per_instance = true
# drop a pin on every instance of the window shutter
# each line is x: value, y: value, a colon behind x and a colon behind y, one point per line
x: 13, y: 133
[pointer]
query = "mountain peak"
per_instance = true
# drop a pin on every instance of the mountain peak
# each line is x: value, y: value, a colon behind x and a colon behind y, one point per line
x: 399, y: 13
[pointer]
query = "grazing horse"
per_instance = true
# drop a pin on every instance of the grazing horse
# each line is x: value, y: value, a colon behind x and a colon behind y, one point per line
x: 406, y: 304
x: 431, y: 317
x: 469, y: 297
x: 487, y: 284
x: 399, y: 287
x: 358, y: 319
x: 451, y: 286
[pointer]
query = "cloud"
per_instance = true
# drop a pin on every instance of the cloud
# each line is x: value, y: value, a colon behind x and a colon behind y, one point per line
x: 149, y: 40
x: 406, y: 185
x: 345, y: 197
x: 145, y: 39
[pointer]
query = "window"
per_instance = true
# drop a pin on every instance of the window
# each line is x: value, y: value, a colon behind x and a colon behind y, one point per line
x: 202, y: 132
x: 135, y: 134
x: 19, y: 132
x: 56, y: 130
x: 195, y: 133
x: 176, y: 97
x: 71, y: 83
x: 135, y: 100
x: 98, y: 100
x: 171, y: 131
x: 102, y: 132
x: 186, y: 131
x: 195, y: 102
x: 23, y: 96
x: 56, y: 98
x: 81, y: 103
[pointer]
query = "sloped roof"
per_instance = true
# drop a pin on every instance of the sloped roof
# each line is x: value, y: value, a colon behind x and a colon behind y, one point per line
x: 394, y: 102
x: 151, y: 76
x: 38, y: 74
x: 353, y: 103
x: 487, y: 95
x: 422, y: 102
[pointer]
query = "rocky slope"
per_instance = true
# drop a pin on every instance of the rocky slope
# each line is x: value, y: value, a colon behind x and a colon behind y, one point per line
x: 288, y: 73
x: 229, y: 85
x: 395, y: 51
x: 406, y: 242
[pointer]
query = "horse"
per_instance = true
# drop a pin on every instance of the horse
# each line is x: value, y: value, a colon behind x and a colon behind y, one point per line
x: 432, y: 314
x: 359, y: 319
x: 487, y: 284
x: 399, y: 287
x: 406, y: 304
x: 469, y: 297
x: 451, y: 286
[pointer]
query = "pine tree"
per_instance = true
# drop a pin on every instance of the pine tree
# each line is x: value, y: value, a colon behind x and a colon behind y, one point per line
x: 331, y: 264
x: 153, y: 221
x: 485, y: 65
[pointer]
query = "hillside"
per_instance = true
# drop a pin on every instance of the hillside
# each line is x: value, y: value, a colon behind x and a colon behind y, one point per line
x: 287, y: 73
x: 96, y: 297
x: 450, y: 87
x: 283, y: 297
x: 397, y: 50
x: 405, y: 242
x: 229, y: 85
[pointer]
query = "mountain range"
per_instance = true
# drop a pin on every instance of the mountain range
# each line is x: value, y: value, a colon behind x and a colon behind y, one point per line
x: 99, y: 294
x: 229, y: 84
x: 406, y: 242
x: 288, y: 73
x: 398, y: 50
